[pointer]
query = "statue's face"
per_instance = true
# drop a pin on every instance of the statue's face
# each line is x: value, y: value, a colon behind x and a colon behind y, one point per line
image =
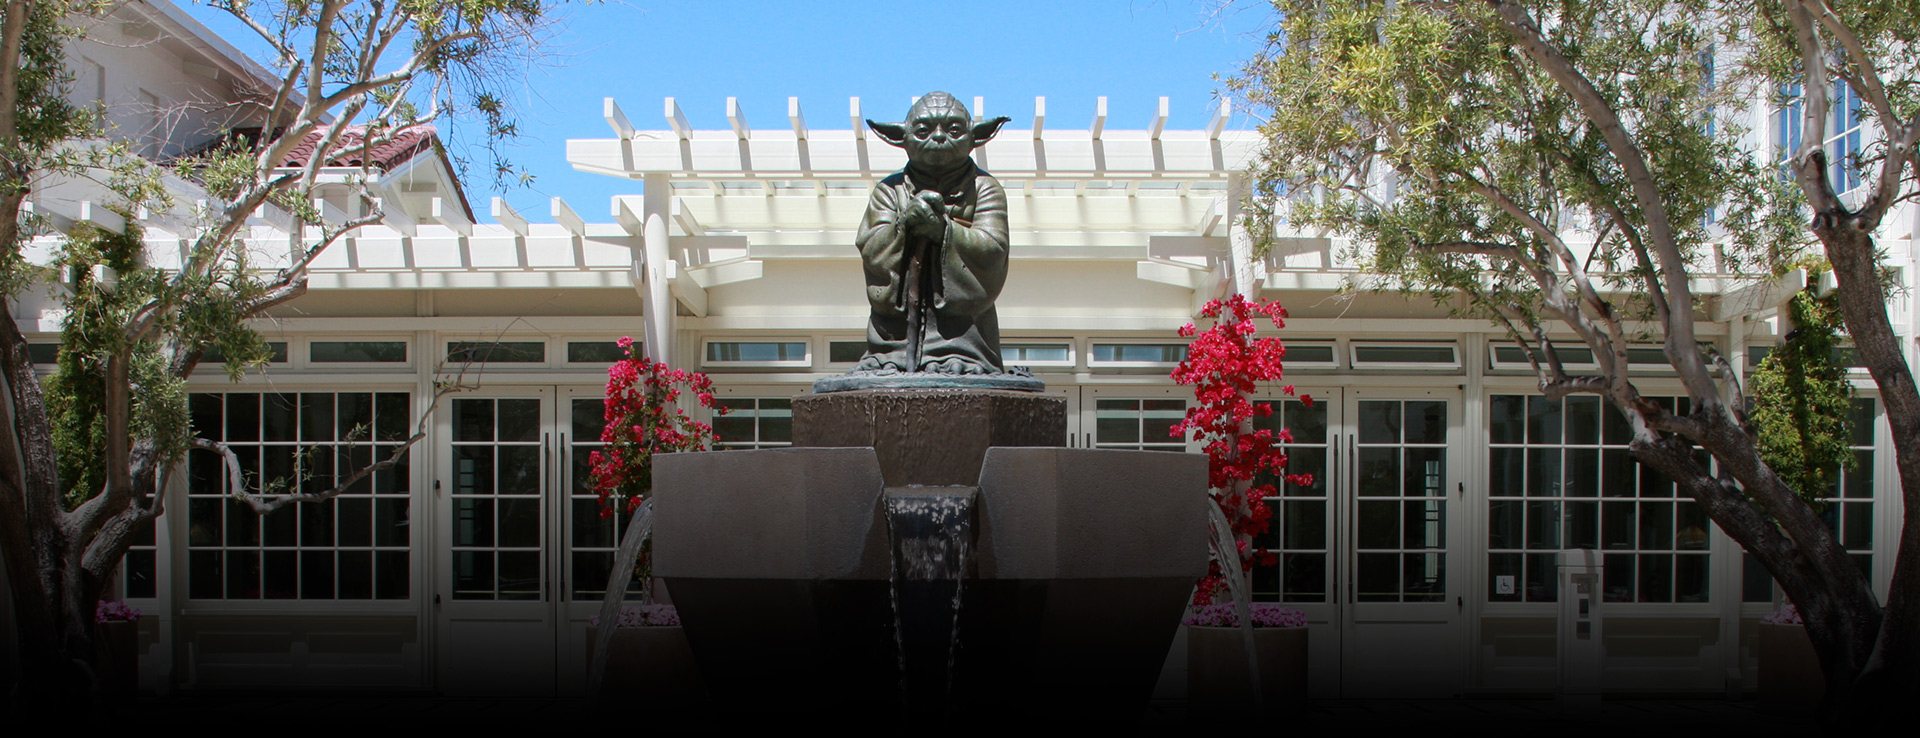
x: 939, y: 133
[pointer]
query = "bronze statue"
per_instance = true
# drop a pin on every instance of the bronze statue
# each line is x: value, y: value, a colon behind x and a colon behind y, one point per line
x: 934, y: 246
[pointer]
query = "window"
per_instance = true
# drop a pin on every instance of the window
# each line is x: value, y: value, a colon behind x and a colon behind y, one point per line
x: 1307, y: 355
x: 1400, y: 515
x: 497, y: 352
x: 1139, y: 353
x: 1405, y: 355
x: 845, y: 352
x: 594, y: 539
x: 1560, y: 476
x: 355, y: 546
x: 599, y: 352
x: 1844, y: 131
x: 1032, y: 354
x: 496, y: 496
x: 1143, y: 425
x: 758, y: 354
x: 1298, y: 529
x: 357, y: 352
x: 1510, y: 357
x: 1848, y: 506
x: 754, y: 422
x: 43, y: 353
x: 141, y: 564
x: 277, y: 351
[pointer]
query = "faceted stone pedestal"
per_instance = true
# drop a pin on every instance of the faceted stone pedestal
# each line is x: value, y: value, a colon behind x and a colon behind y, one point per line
x: 929, y: 436
x: 778, y: 562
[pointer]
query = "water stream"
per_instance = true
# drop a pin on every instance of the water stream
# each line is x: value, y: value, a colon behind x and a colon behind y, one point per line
x: 639, y: 528
x: 931, y: 529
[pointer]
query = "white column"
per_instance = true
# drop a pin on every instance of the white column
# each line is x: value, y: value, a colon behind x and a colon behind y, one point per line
x: 656, y: 201
x: 1247, y: 275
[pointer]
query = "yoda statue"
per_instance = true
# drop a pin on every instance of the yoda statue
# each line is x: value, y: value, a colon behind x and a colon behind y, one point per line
x: 934, y: 246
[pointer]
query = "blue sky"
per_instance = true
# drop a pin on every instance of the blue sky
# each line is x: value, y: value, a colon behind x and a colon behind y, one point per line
x: 703, y: 51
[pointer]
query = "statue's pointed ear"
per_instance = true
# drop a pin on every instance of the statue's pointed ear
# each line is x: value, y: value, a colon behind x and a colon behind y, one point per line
x: 893, y: 133
x: 986, y: 130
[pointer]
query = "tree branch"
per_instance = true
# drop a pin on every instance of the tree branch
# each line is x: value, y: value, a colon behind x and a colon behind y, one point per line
x: 1682, y: 347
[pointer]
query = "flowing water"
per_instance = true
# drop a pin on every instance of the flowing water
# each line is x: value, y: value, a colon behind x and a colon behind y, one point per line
x: 931, y: 529
x: 639, y: 527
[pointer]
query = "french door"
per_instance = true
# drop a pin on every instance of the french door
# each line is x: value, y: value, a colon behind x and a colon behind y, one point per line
x: 523, y: 554
x: 1401, y: 507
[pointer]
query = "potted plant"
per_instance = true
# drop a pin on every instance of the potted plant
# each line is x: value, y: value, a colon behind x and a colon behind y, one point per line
x: 1790, y: 675
x: 1217, y: 682
x: 118, y: 648
x: 649, y: 656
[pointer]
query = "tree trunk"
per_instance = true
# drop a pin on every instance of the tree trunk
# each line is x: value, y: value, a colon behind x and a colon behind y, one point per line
x: 1891, y: 667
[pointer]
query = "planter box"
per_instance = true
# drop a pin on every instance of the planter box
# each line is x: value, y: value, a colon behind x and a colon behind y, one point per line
x: 1217, y: 683
x: 117, y: 656
x: 1790, y: 676
x: 653, y: 661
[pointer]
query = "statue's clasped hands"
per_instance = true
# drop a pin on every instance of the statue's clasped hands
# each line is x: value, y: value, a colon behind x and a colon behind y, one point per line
x: 926, y: 216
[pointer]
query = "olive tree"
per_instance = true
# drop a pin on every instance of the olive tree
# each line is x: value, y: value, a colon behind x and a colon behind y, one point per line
x: 84, y: 458
x: 1567, y: 169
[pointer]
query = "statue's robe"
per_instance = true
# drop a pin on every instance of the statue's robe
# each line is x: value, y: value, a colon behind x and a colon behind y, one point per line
x: 961, y: 276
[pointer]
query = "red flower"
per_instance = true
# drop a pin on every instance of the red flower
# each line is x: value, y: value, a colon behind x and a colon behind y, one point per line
x: 1225, y: 365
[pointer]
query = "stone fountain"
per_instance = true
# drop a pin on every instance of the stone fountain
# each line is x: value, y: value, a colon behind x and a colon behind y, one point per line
x: 928, y: 543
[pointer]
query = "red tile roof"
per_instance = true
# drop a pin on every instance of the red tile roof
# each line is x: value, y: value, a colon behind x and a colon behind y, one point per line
x: 404, y: 144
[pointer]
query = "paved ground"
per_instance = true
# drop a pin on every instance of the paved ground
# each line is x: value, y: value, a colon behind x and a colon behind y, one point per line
x: 1616, y: 718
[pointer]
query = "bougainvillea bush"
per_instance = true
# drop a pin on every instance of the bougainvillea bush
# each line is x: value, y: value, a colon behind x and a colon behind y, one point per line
x: 1786, y: 615
x: 1225, y: 365
x: 641, y: 616
x: 644, y: 418
x: 114, y: 611
x: 1265, y: 615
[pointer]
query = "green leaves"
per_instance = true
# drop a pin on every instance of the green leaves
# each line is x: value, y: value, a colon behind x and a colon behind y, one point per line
x: 1802, y: 400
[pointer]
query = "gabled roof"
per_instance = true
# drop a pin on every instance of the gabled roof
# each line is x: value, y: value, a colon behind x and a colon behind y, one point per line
x: 405, y: 144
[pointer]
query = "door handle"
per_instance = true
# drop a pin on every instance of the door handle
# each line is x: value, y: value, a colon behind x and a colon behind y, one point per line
x: 1460, y: 603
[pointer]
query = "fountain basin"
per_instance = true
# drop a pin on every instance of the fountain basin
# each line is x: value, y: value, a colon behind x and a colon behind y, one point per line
x: 779, y: 562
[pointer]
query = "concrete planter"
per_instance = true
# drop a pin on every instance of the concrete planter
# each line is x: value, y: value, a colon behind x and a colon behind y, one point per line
x: 1790, y: 676
x: 117, y: 653
x: 1217, y: 683
x: 654, y: 662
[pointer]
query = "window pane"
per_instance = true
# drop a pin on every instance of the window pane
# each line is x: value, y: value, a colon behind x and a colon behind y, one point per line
x: 496, y: 352
x: 330, y: 352
x: 1026, y: 352
x: 1309, y: 353
x: 597, y: 352
x: 1405, y: 354
x: 848, y: 352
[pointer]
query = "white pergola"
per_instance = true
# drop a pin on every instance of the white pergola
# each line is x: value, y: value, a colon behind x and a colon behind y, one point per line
x: 717, y: 204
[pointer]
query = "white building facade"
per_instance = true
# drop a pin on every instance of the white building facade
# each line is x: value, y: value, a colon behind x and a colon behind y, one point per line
x: 1444, y: 484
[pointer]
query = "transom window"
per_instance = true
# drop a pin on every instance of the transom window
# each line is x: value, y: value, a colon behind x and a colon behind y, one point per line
x: 758, y: 353
x: 355, y: 546
x: 1560, y: 476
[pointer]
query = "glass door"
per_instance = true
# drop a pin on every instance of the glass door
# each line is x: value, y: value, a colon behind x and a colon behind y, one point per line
x: 1305, y: 573
x: 589, y: 540
x: 493, y: 502
x: 1402, y: 503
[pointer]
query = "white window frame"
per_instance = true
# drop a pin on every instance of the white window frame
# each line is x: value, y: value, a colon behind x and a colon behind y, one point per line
x: 804, y: 363
x: 1069, y: 364
x: 1095, y: 364
x: 1354, y: 347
